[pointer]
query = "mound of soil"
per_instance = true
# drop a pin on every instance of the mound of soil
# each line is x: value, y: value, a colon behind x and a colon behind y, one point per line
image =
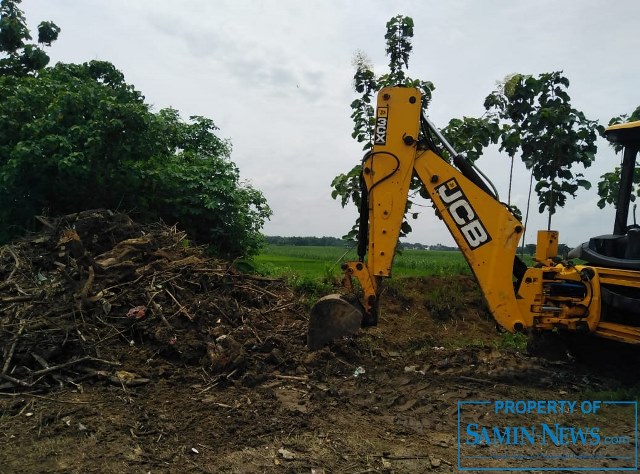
x: 125, y: 349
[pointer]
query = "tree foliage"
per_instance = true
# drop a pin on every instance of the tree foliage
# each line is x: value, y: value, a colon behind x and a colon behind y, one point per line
x: 17, y: 57
x: 549, y: 133
x: 471, y: 135
x: 346, y: 186
x: 527, y: 116
x: 468, y: 135
x: 77, y: 136
x: 306, y: 241
x: 609, y: 184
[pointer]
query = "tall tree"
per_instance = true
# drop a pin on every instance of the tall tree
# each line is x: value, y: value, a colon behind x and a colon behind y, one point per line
x: 367, y: 84
x: 469, y: 135
x: 549, y: 133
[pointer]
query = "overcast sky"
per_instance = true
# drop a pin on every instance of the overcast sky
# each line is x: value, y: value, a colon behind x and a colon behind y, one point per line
x: 275, y: 76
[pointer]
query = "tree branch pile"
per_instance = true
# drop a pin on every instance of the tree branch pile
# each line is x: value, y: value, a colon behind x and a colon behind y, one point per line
x: 76, y: 298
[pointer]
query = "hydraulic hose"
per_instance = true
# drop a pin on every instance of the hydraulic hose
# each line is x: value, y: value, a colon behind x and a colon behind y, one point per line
x: 363, y: 224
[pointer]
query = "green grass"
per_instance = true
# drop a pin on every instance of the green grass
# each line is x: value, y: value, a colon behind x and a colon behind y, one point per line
x: 513, y: 341
x: 324, y: 262
x: 618, y: 394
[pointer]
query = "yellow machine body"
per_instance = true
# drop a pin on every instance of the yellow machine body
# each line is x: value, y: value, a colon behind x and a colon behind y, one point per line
x: 549, y: 296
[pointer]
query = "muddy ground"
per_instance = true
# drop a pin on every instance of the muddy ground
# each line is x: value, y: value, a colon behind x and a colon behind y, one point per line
x: 217, y: 391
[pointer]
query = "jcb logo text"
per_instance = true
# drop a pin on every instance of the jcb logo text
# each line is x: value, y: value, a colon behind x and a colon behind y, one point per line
x: 465, y: 217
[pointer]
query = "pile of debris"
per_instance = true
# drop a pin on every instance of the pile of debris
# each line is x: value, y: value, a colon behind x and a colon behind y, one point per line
x: 76, y: 297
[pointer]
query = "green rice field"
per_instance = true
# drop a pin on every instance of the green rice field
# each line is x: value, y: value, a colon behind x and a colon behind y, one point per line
x: 314, y: 261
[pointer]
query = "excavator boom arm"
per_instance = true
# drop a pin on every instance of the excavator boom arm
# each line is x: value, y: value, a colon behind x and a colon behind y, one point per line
x: 485, y: 230
x: 545, y: 297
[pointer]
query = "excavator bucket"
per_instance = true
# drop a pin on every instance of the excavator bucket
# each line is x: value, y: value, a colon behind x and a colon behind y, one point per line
x: 331, y: 318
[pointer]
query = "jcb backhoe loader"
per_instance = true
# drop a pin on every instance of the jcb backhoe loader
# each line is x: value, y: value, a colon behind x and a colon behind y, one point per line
x: 600, y: 297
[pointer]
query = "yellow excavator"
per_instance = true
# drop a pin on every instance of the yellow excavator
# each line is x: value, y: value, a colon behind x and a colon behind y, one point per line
x: 599, y: 296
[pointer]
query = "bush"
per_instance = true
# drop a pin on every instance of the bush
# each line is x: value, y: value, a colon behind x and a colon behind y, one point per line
x: 78, y: 137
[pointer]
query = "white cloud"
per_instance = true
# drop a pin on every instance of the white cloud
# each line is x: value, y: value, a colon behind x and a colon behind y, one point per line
x: 275, y: 76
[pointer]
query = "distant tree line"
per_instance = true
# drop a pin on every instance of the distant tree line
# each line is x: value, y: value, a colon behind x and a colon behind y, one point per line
x: 307, y: 241
x: 528, y: 249
x: 336, y: 242
x: 418, y: 246
x: 563, y: 249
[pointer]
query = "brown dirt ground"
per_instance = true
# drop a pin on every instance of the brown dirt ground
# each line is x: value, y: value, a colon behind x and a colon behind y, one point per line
x: 277, y: 408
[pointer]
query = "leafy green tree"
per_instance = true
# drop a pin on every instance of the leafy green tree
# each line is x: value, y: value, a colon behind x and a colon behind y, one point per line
x: 469, y: 134
x: 17, y: 57
x: 609, y: 184
x: 367, y: 84
x: 550, y: 135
x: 528, y: 116
x: 68, y: 137
x: 77, y: 136
x: 193, y: 181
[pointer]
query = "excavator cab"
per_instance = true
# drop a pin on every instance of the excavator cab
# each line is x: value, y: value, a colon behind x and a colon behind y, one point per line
x: 621, y: 249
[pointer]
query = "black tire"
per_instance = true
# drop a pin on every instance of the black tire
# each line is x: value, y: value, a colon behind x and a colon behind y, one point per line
x: 547, y: 345
x: 604, y: 353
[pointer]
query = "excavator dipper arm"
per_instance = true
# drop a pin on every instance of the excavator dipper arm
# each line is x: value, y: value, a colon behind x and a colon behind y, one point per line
x: 484, y: 229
